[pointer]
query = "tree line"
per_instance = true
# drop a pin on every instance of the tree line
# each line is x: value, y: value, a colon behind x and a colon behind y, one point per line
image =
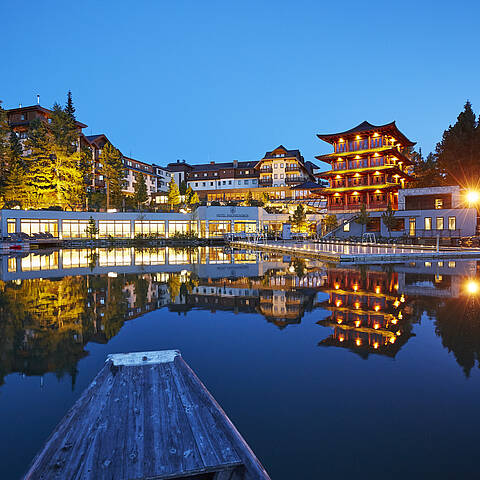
x: 456, y: 159
x: 50, y: 168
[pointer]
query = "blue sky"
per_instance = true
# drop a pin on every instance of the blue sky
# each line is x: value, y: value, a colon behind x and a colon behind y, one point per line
x: 204, y: 80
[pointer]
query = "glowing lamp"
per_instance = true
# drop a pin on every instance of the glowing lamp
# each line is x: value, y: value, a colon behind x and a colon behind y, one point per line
x: 376, y: 326
x: 375, y: 345
x: 357, y: 323
x: 376, y: 308
x: 358, y: 342
x: 472, y: 287
x: 342, y: 338
x: 473, y: 196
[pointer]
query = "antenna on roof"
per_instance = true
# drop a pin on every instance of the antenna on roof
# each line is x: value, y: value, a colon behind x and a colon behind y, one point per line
x: 38, y: 99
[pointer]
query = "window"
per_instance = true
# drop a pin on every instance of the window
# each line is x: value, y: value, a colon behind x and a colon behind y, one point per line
x: 211, y: 184
x: 438, y: 203
x: 346, y: 227
x: 275, y: 176
x: 204, y: 184
x: 452, y: 223
x: 281, y: 165
x: 439, y: 223
x: 281, y: 175
x: 275, y: 165
x: 246, y: 172
x: 229, y: 182
x: 246, y: 182
x: 411, y: 226
x: 74, y: 228
x: 428, y: 223
x: 11, y: 225
x: 114, y: 228
x: 196, y: 183
x: 39, y: 226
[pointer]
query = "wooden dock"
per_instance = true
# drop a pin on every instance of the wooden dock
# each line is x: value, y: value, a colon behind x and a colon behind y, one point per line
x: 146, y: 416
x: 373, y: 253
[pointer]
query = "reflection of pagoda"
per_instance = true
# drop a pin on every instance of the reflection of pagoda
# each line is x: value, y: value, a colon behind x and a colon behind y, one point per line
x: 368, y: 314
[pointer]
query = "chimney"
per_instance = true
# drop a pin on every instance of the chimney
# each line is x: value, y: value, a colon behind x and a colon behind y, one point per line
x: 38, y: 99
x: 235, y: 164
x: 212, y: 163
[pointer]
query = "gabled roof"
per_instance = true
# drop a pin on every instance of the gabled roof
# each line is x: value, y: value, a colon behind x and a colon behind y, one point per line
x: 288, y: 153
x: 366, y: 127
x: 94, y: 138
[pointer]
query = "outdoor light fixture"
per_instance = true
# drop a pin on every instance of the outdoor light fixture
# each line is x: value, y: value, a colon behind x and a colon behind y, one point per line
x: 473, y: 196
x: 472, y: 287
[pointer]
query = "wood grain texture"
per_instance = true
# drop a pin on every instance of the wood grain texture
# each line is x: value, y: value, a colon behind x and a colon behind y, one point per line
x: 145, y: 421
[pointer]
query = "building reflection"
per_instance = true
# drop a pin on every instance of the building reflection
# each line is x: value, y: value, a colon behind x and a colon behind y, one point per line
x: 53, y: 304
x: 368, y: 314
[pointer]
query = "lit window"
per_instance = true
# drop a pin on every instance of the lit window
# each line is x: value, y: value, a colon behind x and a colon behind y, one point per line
x: 428, y: 223
x: 439, y: 223
x: 438, y: 203
x: 452, y: 223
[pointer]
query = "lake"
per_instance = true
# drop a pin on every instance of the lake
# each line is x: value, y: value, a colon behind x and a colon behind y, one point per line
x: 328, y: 371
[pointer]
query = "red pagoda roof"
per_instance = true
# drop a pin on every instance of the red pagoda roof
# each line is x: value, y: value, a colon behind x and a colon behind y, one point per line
x: 366, y: 127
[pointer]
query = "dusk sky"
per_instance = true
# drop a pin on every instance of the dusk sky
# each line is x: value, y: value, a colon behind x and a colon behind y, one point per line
x: 216, y: 81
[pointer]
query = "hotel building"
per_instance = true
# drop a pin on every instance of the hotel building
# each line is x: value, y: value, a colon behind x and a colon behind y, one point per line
x: 369, y: 165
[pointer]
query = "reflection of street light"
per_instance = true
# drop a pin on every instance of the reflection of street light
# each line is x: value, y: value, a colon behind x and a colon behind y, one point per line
x: 472, y: 196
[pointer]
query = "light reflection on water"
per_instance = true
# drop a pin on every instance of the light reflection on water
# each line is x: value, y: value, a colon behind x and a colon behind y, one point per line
x: 255, y: 327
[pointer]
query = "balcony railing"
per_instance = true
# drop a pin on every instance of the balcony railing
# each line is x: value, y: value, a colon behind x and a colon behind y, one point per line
x: 294, y: 179
x: 266, y: 170
x: 292, y: 168
x: 265, y: 181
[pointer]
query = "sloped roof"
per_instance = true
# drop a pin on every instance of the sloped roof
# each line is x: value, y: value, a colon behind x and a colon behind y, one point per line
x: 223, y: 165
x: 288, y: 153
x: 366, y: 127
x: 308, y: 185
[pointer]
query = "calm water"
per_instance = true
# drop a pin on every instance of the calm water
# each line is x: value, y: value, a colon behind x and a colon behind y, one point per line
x: 327, y: 371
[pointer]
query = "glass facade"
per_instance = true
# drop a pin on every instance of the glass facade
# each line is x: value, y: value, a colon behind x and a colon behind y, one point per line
x: 114, y: 228
x: 74, y: 228
x: 150, y: 228
x: 30, y: 226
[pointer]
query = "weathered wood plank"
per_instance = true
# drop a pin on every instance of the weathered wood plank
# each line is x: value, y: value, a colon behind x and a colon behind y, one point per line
x: 145, y: 417
x: 254, y: 469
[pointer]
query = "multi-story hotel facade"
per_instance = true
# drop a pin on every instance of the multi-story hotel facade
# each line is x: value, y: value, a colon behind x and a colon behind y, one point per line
x: 369, y: 165
x: 279, y: 174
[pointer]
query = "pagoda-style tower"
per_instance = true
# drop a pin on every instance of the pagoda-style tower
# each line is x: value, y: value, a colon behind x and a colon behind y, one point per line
x: 369, y: 163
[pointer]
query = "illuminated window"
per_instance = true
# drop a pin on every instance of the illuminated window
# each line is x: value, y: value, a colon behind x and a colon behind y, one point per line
x: 439, y: 223
x: 438, y: 203
x: 428, y: 223
x: 156, y: 228
x: 452, y: 223
x: 74, y: 228
x: 114, y: 228
x: 346, y: 227
x: 11, y: 225
x: 31, y: 227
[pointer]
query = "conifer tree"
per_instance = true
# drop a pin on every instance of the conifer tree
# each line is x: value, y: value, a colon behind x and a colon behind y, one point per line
x: 4, y: 140
x: 68, y: 176
x: 112, y: 171
x: 40, y: 188
x: 140, y: 190
x: 69, y: 108
x: 299, y: 217
x: 363, y: 217
x: 188, y: 195
x: 194, y: 200
x: 457, y: 153
x: 173, y: 194
x: 426, y: 171
x: 388, y: 219
x: 183, y: 187
x: 16, y: 185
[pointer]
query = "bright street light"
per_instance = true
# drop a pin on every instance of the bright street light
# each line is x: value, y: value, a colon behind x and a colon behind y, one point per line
x: 473, y: 196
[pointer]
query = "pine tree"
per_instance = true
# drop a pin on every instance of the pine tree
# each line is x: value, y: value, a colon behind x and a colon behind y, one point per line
x: 40, y: 187
x: 183, y: 187
x: 426, y: 171
x: 173, y: 194
x: 91, y: 229
x: 249, y: 199
x: 4, y: 141
x: 299, y: 217
x: 388, y: 219
x: 112, y: 171
x: 69, y: 108
x: 16, y: 185
x: 363, y: 217
x: 68, y: 175
x: 140, y: 191
x: 194, y: 200
x: 457, y: 153
x: 188, y: 195
x: 330, y: 222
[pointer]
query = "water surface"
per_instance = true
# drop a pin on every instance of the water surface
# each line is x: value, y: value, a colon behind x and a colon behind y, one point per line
x: 335, y: 371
